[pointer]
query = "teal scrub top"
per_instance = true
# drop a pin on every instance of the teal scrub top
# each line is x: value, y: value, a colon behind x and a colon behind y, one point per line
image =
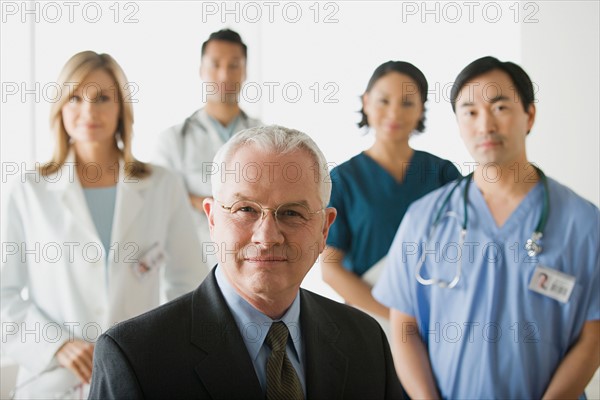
x: 371, y: 204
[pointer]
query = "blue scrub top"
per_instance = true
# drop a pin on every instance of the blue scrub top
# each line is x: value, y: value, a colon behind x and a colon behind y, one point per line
x: 491, y: 336
x: 371, y: 203
x: 225, y: 132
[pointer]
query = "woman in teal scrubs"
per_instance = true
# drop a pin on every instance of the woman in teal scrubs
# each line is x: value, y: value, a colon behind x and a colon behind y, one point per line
x: 373, y: 190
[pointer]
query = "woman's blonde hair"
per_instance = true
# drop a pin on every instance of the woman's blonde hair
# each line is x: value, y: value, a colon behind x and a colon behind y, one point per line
x: 73, y: 73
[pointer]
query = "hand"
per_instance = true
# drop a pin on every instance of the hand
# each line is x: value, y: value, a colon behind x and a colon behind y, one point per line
x: 77, y: 356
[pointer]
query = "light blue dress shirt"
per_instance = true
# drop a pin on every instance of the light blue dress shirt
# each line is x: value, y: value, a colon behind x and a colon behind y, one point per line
x: 101, y: 203
x: 254, y: 326
x: 491, y: 336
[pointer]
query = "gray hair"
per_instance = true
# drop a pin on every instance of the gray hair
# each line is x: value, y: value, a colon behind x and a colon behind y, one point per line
x: 279, y: 140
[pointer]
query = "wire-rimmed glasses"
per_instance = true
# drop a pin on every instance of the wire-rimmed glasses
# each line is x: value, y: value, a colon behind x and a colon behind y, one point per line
x: 288, y: 215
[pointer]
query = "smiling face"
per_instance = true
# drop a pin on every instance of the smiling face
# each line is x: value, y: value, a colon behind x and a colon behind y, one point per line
x: 223, y: 69
x: 92, y: 113
x: 267, y: 260
x: 393, y: 106
x: 492, y: 121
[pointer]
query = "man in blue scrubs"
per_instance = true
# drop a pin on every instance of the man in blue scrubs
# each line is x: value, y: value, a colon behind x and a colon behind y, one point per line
x: 469, y: 318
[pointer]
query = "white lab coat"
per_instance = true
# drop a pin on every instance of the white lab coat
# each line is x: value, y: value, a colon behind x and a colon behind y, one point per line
x: 76, y: 294
x: 189, y: 148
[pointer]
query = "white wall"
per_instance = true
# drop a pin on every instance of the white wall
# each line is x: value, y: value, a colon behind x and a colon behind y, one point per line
x: 161, y: 51
x: 160, y: 54
x: 562, y: 53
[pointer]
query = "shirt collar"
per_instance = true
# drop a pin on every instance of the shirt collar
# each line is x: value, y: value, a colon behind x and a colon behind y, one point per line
x: 253, y: 324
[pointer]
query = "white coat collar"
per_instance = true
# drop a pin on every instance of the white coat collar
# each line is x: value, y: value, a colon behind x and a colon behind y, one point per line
x: 128, y: 203
x: 67, y: 175
x: 202, y: 118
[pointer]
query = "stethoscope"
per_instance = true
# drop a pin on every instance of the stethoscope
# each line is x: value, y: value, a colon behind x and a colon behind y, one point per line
x: 193, y: 119
x: 532, y: 245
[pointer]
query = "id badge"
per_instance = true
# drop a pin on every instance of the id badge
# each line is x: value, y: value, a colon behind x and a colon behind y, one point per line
x: 552, y: 283
x: 152, y: 259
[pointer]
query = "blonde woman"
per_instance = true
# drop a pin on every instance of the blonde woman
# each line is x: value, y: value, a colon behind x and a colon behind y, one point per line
x: 97, y: 236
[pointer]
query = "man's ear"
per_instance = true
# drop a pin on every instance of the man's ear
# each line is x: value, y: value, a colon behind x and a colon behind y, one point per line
x: 208, y: 204
x: 244, y: 73
x: 531, y: 117
x: 330, y: 214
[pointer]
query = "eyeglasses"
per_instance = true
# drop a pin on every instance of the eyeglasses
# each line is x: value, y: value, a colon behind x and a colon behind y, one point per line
x: 289, y: 215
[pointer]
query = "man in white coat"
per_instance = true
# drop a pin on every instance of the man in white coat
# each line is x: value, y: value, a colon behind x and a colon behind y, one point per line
x: 189, y: 147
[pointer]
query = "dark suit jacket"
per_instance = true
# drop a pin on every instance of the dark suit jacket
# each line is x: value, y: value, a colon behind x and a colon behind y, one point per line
x: 191, y: 347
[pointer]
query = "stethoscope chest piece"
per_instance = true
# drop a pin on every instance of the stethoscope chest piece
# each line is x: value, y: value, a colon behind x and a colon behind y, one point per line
x: 532, y: 246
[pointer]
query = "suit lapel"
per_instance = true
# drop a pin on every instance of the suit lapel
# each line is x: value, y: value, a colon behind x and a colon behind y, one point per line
x: 326, y: 366
x: 226, y: 370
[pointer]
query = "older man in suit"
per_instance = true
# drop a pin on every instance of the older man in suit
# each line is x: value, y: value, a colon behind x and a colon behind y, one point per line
x: 249, y: 331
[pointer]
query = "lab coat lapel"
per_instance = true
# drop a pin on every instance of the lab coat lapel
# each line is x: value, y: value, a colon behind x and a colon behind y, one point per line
x: 209, y: 126
x: 326, y: 367
x: 226, y: 370
x: 242, y: 123
x: 66, y: 183
x: 128, y: 204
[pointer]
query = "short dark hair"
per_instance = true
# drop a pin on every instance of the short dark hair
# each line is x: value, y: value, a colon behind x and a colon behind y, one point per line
x: 404, y: 68
x: 518, y: 76
x: 226, y: 35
